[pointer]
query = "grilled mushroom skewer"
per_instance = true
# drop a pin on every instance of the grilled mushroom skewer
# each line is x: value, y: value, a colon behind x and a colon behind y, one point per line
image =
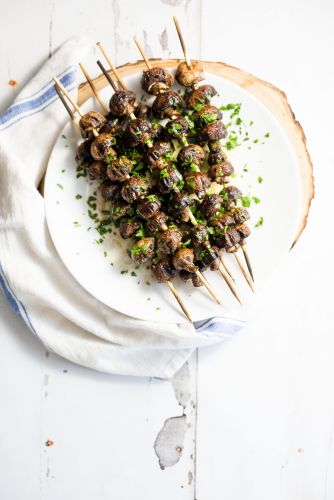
x: 155, y: 80
x: 76, y: 107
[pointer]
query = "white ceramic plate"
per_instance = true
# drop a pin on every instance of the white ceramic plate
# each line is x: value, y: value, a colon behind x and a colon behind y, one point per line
x: 107, y: 272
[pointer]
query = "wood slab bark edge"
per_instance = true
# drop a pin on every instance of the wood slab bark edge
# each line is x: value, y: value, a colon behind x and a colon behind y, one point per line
x: 272, y: 97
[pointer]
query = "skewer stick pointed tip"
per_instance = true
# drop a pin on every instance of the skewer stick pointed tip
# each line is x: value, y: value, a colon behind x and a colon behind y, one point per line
x: 180, y: 301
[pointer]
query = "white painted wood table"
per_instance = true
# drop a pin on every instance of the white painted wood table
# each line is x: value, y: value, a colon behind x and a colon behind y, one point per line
x: 260, y: 408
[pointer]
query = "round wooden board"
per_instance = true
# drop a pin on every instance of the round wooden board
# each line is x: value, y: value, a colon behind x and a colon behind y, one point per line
x: 273, y: 98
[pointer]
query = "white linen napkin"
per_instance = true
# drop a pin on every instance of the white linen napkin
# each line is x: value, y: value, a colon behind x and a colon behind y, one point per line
x: 64, y: 316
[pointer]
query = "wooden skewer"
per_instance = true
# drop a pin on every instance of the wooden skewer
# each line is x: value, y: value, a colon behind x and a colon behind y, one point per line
x: 223, y: 261
x: 141, y: 50
x: 64, y: 91
x: 243, y: 270
x: 106, y: 74
x: 74, y: 104
x: 249, y: 266
x: 115, y: 71
x: 94, y: 89
x: 183, y: 45
x: 66, y: 106
x: 178, y: 298
x: 207, y: 286
x: 226, y: 277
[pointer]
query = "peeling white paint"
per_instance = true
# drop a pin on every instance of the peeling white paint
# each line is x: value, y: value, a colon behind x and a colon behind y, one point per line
x: 169, y: 442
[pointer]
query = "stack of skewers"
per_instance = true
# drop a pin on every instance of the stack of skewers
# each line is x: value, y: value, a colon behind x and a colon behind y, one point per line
x: 164, y: 172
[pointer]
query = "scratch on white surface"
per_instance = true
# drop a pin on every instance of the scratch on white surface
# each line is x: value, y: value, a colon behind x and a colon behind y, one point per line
x: 169, y: 442
x: 329, y: 450
x: 51, y: 27
x: 163, y: 39
x: 147, y: 47
x: 173, y: 3
x: 181, y: 385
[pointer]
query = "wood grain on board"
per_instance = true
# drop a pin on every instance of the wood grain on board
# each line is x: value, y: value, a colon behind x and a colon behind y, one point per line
x: 273, y: 98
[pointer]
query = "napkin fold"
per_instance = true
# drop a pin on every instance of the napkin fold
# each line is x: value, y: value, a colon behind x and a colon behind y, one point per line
x: 56, y: 309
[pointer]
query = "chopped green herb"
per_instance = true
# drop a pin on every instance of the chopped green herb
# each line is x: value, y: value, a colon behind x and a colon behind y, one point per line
x: 186, y: 243
x: 133, y: 273
x: 78, y: 197
x: 125, y: 271
x: 246, y: 202
x: 260, y: 179
x: 232, y: 142
x: 60, y: 186
x: 256, y: 141
x: 256, y: 199
x: 259, y: 222
x: 267, y: 135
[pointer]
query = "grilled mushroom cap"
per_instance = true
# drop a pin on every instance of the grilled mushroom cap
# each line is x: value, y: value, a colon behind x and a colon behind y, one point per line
x: 200, y: 96
x: 232, y: 239
x: 230, y: 195
x: 142, y: 110
x: 219, y: 171
x: 83, y: 156
x: 197, y: 183
x: 211, y: 204
x: 119, y: 169
x: 217, y: 157
x: 148, y: 207
x: 138, y: 132
x: 128, y: 227
x: 163, y: 270
x: 199, y: 235
x: 184, y: 259
x: 89, y: 122
x: 165, y: 105
x: 156, y: 222
x: 169, y: 179
x: 97, y: 170
x: 122, y: 103
x: 133, y: 189
x: 109, y: 190
x: 119, y: 209
x: 207, y: 114
x: 158, y: 156
x: 156, y: 80
x: 169, y: 241
x: 243, y: 230
x: 221, y: 223
x: 113, y: 127
x: 189, y: 76
x: 212, y: 132
x: 179, y: 205
x: 189, y: 155
x: 187, y: 276
x: 209, y: 258
x: 177, y: 128
x: 101, y: 147
x: 240, y: 215
x: 142, y: 250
